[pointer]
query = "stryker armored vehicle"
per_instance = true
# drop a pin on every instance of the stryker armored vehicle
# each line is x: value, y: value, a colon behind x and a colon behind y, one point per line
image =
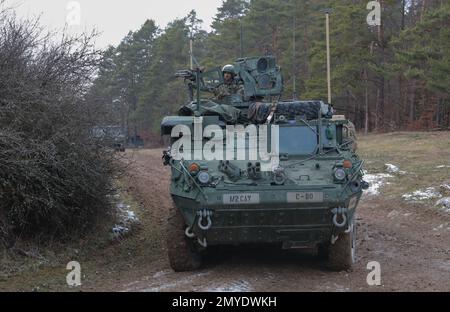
x: 302, y: 194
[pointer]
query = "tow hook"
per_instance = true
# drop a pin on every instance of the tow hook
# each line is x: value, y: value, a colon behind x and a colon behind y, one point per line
x: 189, y: 232
x: 350, y: 229
x: 334, y: 239
x: 202, y: 242
x: 343, y: 213
x: 204, y: 214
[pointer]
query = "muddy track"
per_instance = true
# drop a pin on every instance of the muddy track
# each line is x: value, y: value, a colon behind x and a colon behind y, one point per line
x: 411, y: 244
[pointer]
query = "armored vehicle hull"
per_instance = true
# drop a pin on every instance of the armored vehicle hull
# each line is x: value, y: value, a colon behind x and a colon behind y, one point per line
x: 259, y: 215
x: 302, y: 191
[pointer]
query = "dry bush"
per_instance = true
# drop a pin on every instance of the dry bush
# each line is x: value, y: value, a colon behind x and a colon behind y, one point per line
x: 55, y: 177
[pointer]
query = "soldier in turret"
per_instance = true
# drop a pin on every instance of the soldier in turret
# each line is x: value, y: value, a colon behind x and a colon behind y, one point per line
x: 230, y: 86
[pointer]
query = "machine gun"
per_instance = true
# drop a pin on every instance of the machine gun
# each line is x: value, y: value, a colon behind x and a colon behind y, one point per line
x: 191, y: 78
x: 186, y: 74
x: 203, y: 83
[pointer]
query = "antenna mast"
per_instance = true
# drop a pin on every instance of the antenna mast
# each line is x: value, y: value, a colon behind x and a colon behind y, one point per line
x: 242, y: 40
x: 191, y: 52
x: 197, y: 72
x: 328, y: 55
x: 294, y: 94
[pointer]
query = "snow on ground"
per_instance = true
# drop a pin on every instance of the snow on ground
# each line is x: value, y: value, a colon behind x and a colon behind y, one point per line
x: 444, y: 203
x: 422, y: 195
x: 119, y: 230
x: 130, y: 217
x: 126, y: 217
x: 431, y: 193
x: 376, y: 181
x: 336, y: 287
x: 236, y: 286
x: 161, y: 273
x: 442, y: 167
x: 392, y: 168
x: 168, y: 285
x: 126, y: 214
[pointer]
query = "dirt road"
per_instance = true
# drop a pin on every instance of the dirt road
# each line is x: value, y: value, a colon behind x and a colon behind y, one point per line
x: 410, y: 242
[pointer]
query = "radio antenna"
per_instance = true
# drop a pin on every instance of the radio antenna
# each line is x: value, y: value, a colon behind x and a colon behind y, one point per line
x: 191, y: 52
x: 294, y: 67
x: 242, y: 40
x: 327, y: 14
x: 193, y: 60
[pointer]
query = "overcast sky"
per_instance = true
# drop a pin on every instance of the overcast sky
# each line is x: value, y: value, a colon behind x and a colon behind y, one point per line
x: 114, y: 18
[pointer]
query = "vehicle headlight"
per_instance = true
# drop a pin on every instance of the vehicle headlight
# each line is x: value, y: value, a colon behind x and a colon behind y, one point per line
x: 340, y: 174
x: 204, y: 177
x: 193, y: 168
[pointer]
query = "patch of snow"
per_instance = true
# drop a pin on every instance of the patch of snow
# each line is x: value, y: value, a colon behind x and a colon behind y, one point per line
x: 445, y: 187
x: 390, y: 168
x: 444, y: 203
x: 376, y: 181
x: 126, y: 219
x: 122, y: 207
x: 340, y: 288
x: 130, y: 216
x: 161, y: 274
x: 188, y: 280
x: 119, y: 230
x: 442, y: 167
x: 126, y: 215
x: 337, y: 288
x: 237, y: 286
x: 422, y: 195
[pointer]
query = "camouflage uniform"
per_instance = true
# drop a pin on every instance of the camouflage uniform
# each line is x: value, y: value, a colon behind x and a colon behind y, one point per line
x: 227, y: 89
x: 350, y: 135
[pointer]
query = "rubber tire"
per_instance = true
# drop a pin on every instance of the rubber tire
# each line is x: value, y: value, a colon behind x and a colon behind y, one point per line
x: 342, y: 254
x: 322, y: 252
x: 183, y: 255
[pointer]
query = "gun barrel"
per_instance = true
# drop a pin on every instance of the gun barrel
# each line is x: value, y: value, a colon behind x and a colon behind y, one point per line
x: 186, y: 74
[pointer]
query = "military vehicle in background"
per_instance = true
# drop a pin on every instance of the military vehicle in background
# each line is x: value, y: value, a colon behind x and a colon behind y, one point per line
x: 308, y: 200
x: 114, y: 136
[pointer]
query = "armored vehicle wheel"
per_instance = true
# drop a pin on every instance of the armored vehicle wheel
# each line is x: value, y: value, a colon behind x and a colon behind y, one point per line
x: 341, y: 254
x: 183, y: 255
x: 322, y: 252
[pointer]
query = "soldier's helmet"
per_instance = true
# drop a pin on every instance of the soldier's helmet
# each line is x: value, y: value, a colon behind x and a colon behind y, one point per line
x: 229, y: 69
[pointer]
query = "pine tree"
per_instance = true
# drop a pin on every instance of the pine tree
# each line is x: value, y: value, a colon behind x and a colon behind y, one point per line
x: 387, y: 77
